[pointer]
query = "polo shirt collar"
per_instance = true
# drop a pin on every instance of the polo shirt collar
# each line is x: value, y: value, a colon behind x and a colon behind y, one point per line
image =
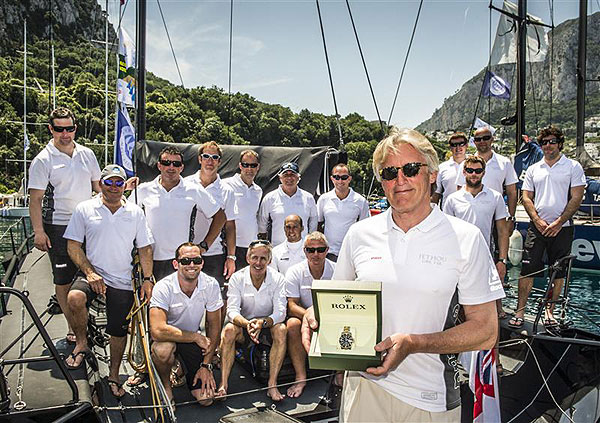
x: 349, y: 197
x: 433, y: 219
x: 559, y: 162
x: 238, y: 180
x: 56, y: 152
x: 177, y: 288
x: 293, y: 245
x: 161, y: 188
x: 282, y: 192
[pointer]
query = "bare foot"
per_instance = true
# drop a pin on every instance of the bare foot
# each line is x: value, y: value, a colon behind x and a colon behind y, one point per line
x: 221, y: 393
x: 274, y: 394
x: 296, y: 389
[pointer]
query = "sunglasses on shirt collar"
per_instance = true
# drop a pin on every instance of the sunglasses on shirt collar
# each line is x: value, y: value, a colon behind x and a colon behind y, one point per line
x: 109, y: 183
x: 189, y: 260
x: 409, y: 170
x: 57, y: 128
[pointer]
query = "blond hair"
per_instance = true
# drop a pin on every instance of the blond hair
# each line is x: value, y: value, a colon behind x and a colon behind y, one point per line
x: 316, y: 236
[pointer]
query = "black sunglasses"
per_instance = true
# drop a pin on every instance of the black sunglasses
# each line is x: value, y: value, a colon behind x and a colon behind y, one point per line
x: 342, y: 177
x: 259, y: 242
x: 247, y: 165
x: 56, y: 128
x: 189, y: 260
x: 457, y: 144
x: 409, y: 170
x: 175, y: 163
x: 210, y: 156
x: 477, y: 171
x: 109, y: 183
x: 483, y: 138
x: 315, y: 249
x: 552, y: 141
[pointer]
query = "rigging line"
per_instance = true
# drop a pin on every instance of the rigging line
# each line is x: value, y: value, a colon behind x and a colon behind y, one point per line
x: 337, y: 114
x: 170, y: 43
x: 535, y: 110
x: 489, y: 64
x: 551, y: 5
x: 362, y: 57
x: 229, y: 72
x: 406, y: 60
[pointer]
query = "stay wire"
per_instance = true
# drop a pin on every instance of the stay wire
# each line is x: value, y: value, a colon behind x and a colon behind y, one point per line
x: 551, y: 6
x: 362, y: 57
x: 170, y: 43
x: 229, y: 72
x: 337, y: 114
x: 412, y: 37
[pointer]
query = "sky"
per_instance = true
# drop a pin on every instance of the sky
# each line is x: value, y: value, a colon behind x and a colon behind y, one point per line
x: 278, y: 57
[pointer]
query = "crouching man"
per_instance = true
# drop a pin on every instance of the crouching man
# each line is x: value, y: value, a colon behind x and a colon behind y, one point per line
x: 176, y: 310
x: 255, y: 301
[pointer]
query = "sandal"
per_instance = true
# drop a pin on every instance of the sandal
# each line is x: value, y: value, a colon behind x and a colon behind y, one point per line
x: 73, y: 356
x: 112, y: 384
x: 175, y: 378
x: 136, y: 379
x: 516, y: 322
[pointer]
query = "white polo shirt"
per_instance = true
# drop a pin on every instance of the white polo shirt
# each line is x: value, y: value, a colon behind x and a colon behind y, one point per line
x: 446, y: 179
x: 245, y: 300
x: 499, y: 172
x: 299, y: 281
x: 425, y: 273
x: 109, y: 238
x: 185, y: 312
x: 551, y: 186
x: 168, y: 212
x: 246, y: 201
x: 223, y: 196
x: 339, y: 215
x: 483, y: 209
x: 277, y: 205
x: 66, y: 180
x: 286, y: 255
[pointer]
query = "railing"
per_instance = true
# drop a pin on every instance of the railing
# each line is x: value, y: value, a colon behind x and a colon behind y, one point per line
x: 15, y: 243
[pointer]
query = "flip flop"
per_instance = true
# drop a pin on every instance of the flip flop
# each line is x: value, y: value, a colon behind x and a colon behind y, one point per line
x: 111, y: 383
x: 516, y: 322
x: 139, y: 376
x: 83, y: 353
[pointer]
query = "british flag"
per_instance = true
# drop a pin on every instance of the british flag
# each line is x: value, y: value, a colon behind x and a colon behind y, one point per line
x: 483, y: 381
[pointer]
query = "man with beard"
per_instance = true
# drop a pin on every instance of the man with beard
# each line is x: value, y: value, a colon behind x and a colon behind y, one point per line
x: 552, y: 192
x: 445, y: 183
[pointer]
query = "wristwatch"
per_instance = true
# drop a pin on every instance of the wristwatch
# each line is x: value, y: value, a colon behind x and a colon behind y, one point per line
x: 265, y: 323
x: 203, y: 245
x: 503, y: 260
x: 208, y: 366
x: 346, y: 340
x: 232, y: 257
x: 149, y: 279
x: 511, y: 219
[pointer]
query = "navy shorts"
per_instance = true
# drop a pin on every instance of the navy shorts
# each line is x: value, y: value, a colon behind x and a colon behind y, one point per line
x: 63, y: 269
x: 537, y: 244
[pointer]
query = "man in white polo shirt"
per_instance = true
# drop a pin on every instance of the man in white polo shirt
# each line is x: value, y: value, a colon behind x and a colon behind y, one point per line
x: 246, y: 200
x: 430, y: 265
x: 111, y: 227
x: 286, y: 200
x: 219, y: 259
x: 299, y: 279
x: 61, y: 176
x: 552, y: 192
x: 178, y: 305
x: 169, y: 203
x: 255, y: 301
x: 290, y: 251
x: 340, y: 208
x: 445, y: 183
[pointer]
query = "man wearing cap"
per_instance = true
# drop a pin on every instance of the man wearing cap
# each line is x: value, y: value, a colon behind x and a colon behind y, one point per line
x: 339, y: 208
x: 246, y: 200
x: 111, y: 227
x: 219, y: 256
x: 178, y: 305
x: 299, y: 279
x: 169, y: 203
x: 62, y: 175
x: 445, y: 184
x: 289, y: 252
x: 287, y: 199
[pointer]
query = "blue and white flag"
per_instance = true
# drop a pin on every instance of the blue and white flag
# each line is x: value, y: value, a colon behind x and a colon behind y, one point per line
x: 124, y: 141
x: 26, y: 142
x: 494, y: 86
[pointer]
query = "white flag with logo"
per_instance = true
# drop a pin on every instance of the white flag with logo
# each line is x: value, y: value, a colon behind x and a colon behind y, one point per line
x: 126, y: 85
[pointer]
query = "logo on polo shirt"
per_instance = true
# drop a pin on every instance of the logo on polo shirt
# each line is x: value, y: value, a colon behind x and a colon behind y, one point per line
x: 432, y: 259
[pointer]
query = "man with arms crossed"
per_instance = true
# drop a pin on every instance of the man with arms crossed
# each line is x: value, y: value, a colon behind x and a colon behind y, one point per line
x: 255, y: 302
x: 177, y: 307
x: 428, y: 264
x: 552, y: 193
x: 445, y: 183
x: 340, y: 208
x: 111, y: 227
x: 299, y: 279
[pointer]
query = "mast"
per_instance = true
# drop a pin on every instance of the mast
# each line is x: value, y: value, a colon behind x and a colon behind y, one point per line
x: 581, y: 76
x: 140, y: 94
x: 521, y: 72
x: 25, y: 140
x: 106, y: 86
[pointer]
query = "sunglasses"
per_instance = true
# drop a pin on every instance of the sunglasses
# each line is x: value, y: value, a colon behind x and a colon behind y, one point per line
x: 109, y: 183
x: 342, y: 177
x: 259, y: 242
x: 409, y: 170
x: 56, y: 128
x: 483, y: 138
x: 175, y: 163
x: 210, y: 156
x: 477, y: 171
x: 248, y: 165
x: 315, y: 249
x: 457, y: 144
x: 189, y: 260
x: 552, y: 141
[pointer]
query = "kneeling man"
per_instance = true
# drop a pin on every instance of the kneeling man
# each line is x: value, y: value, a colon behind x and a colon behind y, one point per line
x: 255, y: 301
x: 176, y: 310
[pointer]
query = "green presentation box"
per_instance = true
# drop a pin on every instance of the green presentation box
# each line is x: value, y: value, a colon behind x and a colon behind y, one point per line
x: 349, y: 316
